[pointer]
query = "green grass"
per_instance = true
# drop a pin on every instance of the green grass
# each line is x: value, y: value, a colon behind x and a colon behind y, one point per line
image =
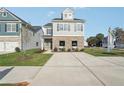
x: 103, y: 52
x: 27, y: 58
x: 7, y: 84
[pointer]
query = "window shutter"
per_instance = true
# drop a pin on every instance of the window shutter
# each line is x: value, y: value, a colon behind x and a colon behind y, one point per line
x: 17, y: 27
x: 5, y: 27
x: 0, y: 27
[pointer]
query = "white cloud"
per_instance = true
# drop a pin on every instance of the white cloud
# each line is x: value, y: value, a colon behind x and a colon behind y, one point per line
x: 50, y: 13
x: 76, y: 8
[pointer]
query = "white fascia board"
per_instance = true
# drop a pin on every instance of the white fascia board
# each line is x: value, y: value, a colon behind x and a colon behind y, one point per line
x: 9, y: 36
x: 11, y: 21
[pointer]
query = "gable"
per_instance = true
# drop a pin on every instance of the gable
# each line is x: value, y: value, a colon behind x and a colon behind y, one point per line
x: 8, y: 17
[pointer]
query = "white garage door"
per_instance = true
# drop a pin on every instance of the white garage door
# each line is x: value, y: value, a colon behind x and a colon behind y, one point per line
x: 8, y: 46
x: 1, y: 46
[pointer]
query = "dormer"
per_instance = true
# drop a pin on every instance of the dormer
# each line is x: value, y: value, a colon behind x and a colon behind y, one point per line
x: 68, y: 14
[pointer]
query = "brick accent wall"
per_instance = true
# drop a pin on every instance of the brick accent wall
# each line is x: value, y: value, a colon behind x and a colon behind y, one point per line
x: 9, y: 39
x: 68, y: 41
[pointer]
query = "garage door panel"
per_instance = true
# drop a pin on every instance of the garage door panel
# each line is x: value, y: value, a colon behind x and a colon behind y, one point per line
x: 10, y: 46
x: 1, y: 46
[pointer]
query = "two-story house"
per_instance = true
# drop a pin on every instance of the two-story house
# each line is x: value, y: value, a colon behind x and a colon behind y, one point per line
x: 65, y: 32
x: 15, y: 32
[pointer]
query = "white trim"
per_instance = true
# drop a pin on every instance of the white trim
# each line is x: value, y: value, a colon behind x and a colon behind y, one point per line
x: 3, y: 14
x: 11, y: 27
x: 9, y: 36
x: 11, y: 21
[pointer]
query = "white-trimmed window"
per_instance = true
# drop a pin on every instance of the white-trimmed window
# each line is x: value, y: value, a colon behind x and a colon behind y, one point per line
x: 65, y: 15
x: 61, y: 43
x: 66, y: 27
x: 11, y: 27
x: 61, y: 27
x: 78, y: 27
x: 74, y: 43
x: 49, y: 31
x: 4, y: 14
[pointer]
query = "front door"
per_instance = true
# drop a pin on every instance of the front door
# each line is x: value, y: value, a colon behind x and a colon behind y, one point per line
x: 48, y: 45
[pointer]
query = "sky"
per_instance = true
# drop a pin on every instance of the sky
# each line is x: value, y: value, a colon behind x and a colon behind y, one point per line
x: 98, y: 19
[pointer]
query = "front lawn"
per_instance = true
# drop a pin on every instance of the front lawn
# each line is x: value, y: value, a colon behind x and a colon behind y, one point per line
x: 103, y: 52
x: 27, y: 58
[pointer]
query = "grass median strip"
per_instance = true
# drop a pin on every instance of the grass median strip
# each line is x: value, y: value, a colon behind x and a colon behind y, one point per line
x: 103, y: 52
x: 27, y: 58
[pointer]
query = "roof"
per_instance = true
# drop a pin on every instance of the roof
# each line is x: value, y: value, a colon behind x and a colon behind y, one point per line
x: 74, y: 19
x: 48, y: 24
x: 36, y: 28
x: 15, y: 16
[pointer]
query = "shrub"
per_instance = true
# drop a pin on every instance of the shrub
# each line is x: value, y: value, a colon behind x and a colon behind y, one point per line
x: 39, y: 51
x: 17, y: 49
x: 55, y: 49
x: 69, y: 50
x: 63, y: 49
x: 82, y: 49
x: 76, y: 50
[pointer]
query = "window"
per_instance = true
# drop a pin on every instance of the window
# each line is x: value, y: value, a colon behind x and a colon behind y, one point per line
x: 11, y: 27
x: 37, y: 44
x: 4, y: 14
x: 60, y: 27
x: 66, y: 27
x: 61, y: 43
x: 57, y: 27
x: 74, y: 43
x: 65, y: 15
x: 78, y: 27
x: 49, y: 31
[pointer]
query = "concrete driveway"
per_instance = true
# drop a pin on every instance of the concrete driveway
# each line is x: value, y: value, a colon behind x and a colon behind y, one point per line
x: 18, y: 73
x: 80, y: 69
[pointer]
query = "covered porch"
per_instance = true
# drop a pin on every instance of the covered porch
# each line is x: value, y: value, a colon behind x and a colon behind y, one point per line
x: 47, y: 43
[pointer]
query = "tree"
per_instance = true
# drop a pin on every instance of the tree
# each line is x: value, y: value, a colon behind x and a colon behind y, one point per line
x: 118, y: 35
x: 118, y: 31
x: 91, y: 41
x: 99, y: 38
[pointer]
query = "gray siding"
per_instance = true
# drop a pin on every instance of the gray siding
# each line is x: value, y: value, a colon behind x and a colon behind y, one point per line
x: 9, y: 17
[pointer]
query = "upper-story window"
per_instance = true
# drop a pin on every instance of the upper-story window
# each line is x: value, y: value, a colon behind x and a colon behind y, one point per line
x: 78, y: 27
x: 4, y: 14
x: 60, y: 27
x: 63, y: 27
x: 66, y: 27
x: 11, y: 27
x: 65, y: 15
x: 49, y: 31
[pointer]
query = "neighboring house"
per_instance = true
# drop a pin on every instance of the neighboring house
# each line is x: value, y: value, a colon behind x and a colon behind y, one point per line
x: 119, y: 42
x: 15, y: 32
x: 85, y: 43
x: 105, y: 42
x: 65, y: 32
